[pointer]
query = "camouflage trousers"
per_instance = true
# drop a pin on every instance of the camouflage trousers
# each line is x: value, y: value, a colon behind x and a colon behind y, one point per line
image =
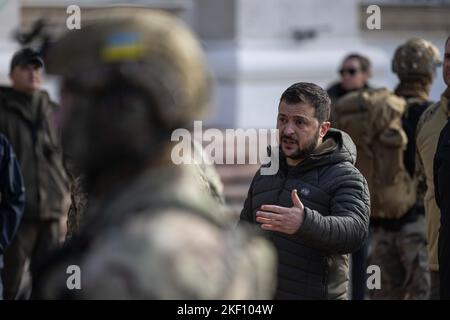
x: 402, y: 258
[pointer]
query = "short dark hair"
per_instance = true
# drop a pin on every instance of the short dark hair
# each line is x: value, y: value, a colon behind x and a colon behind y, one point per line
x: 305, y: 92
x: 364, y: 62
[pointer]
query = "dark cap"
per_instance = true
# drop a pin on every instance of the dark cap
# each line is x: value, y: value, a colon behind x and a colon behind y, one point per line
x: 24, y: 57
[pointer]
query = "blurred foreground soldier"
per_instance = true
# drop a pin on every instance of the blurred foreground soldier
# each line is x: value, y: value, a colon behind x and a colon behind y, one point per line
x: 150, y: 231
x: 441, y: 173
x: 207, y: 175
x: 315, y: 209
x: 383, y: 125
x: 25, y: 119
x: 12, y: 198
x: 428, y: 129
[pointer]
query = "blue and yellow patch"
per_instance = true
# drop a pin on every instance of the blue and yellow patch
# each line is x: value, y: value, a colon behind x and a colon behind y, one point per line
x: 122, y: 46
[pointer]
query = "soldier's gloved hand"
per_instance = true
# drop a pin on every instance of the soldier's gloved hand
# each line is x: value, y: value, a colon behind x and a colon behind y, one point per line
x: 282, y: 219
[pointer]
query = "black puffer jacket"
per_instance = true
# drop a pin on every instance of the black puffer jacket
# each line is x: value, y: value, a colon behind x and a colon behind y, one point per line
x: 313, y: 263
x: 441, y: 189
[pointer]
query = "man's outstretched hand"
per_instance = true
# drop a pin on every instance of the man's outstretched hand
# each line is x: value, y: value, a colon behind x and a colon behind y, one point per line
x: 282, y: 219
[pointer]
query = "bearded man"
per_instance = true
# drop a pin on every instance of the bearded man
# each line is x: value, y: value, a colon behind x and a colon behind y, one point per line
x: 315, y: 209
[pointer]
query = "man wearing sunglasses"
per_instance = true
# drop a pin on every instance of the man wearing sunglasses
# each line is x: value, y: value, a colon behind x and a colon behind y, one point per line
x: 355, y: 71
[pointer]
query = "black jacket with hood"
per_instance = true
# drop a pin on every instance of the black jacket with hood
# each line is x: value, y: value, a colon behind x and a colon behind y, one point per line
x: 313, y: 262
x: 441, y: 189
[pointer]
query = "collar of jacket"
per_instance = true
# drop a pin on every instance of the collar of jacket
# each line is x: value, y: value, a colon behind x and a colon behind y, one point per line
x: 22, y: 103
x: 337, y: 146
x: 413, y: 89
x: 445, y: 101
x: 162, y: 186
x: 340, y: 91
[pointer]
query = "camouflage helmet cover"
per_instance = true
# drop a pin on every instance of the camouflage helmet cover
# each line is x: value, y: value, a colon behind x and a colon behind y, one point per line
x: 148, y: 48
x: 416, y: 57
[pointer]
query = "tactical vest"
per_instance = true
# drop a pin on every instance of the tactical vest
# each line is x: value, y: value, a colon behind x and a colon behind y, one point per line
x: 373, y: 119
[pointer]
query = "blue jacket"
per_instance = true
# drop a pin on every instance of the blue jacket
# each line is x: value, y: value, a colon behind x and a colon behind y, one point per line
x: 12, y: 195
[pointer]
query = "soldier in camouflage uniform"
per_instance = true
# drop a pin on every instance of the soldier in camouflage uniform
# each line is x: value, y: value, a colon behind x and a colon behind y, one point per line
x: 151, y: 229
x: 399, y: 244
x: 209, y: 178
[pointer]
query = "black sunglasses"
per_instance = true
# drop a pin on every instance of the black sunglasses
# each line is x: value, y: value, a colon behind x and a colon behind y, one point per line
x: 350, y: 71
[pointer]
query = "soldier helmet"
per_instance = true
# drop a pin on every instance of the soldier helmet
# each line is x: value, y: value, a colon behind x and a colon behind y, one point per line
x: 416, y: 58
x: 130, y: 77
x: 149, y: 49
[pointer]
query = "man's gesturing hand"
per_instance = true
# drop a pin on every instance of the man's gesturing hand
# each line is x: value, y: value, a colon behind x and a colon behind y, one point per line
x: 282, y: 219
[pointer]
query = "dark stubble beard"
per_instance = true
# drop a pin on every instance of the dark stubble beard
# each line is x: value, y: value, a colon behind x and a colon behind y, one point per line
x: 301, y: 154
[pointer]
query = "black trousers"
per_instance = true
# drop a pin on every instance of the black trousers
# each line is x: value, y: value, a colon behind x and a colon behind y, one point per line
x: 359, y: 273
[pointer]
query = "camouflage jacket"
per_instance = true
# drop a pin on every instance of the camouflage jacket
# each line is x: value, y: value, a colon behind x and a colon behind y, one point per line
x: 161, y: 237
x: 209, y: 181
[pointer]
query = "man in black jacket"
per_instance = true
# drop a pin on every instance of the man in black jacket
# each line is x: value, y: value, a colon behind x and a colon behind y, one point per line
x: 12, y: 198
x: 355, y: 72
x: 441, y: 189
x: 441, y: 171
x: 315, y: 209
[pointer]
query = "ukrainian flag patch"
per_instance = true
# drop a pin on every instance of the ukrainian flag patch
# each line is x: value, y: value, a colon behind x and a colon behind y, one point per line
x: 122, y: 46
